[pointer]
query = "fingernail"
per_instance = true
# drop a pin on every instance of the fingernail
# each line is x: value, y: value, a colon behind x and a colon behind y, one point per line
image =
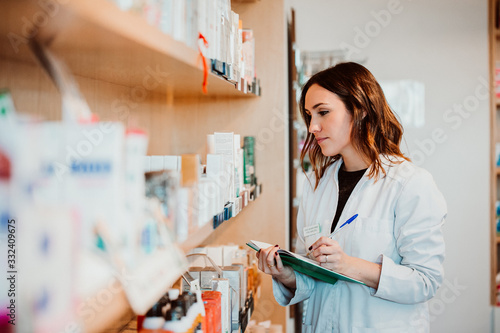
x: 276, y: 254
x: 276, y: 245
x: 310, y: 248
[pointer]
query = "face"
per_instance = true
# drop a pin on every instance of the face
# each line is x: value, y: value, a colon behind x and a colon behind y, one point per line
x: 330, y: 121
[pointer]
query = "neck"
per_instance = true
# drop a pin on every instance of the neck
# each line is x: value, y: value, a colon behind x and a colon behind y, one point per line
x: 355, y: 163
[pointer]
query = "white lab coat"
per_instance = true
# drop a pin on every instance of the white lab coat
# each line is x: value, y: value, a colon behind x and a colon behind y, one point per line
x: 399, y: 225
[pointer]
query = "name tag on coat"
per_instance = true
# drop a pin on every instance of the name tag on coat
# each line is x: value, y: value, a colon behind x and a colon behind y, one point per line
x: 311, y: 230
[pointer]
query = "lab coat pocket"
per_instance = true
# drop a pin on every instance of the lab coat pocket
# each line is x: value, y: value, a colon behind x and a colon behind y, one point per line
x: 371, y: 237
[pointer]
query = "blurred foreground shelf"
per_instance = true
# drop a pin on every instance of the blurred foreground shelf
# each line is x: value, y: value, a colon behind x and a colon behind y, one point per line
x: 116, y: 312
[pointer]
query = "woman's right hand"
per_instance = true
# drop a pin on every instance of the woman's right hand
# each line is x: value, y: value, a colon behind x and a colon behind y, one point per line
x: 270, y: 263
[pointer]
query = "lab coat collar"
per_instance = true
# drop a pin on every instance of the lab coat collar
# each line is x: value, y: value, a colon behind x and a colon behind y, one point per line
x: 387, y: 163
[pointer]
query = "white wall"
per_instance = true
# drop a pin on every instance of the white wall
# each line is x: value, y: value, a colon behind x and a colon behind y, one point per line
x: 443, y: 44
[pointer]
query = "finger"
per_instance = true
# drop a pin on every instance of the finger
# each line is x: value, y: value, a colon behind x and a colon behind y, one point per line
x: 320, y: 251
x: 279, y: 263
x: 318, y: 257
x: 320, y: 242
x: 328, y: 261
x: 264, y: 254
x: 265, y: 263
x: 326, y: 256
x: 324, y: 241
x: 262, y: 260
x: 326, y: 264
x: 259, y: 262
x: 271, y: 257
x: 323, y: 250
x: 329, y: 249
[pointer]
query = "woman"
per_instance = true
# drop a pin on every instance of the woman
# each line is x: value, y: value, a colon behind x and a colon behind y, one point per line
x: 394, y: 245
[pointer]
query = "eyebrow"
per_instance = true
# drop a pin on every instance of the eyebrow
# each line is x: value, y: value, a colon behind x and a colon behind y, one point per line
x: 317, y: 105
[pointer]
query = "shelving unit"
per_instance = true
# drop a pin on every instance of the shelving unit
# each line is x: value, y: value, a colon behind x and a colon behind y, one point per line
x: 494, y: 41
x: 111, y: 53
x: 108, y: 38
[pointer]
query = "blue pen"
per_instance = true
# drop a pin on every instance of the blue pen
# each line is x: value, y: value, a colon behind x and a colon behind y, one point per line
x: 345, y: 223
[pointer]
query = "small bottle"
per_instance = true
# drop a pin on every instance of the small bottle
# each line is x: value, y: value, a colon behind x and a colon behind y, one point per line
x: 154, y: 317
x: 193, y: 310
x: 173, y: 294
x: 199, y: 310
x: 175, y: 317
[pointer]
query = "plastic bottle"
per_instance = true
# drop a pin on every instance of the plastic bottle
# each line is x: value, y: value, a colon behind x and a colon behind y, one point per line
x: 175, y: 318
x: 154, y: 317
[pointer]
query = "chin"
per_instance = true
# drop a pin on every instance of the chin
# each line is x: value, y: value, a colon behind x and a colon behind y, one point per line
x: 328, y: 152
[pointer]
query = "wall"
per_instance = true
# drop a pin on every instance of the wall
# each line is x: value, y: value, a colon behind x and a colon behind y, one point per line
x: 443, y: 44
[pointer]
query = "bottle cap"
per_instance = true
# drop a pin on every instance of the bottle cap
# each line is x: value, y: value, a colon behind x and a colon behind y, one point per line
x: 173, y: 294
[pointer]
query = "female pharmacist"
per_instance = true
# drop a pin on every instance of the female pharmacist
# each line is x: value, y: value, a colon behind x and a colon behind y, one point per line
x: 394, y: 244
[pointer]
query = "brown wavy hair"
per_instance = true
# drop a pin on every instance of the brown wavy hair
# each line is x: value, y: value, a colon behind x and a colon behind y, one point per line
x: 376, y: 133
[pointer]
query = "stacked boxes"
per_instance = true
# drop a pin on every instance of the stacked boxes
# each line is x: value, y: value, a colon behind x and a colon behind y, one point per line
x: 238, y: 282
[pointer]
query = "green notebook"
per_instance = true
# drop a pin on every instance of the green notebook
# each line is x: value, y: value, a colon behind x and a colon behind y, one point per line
x: 305, y: 265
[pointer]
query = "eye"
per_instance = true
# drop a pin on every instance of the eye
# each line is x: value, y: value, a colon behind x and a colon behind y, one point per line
x: 323, y: 113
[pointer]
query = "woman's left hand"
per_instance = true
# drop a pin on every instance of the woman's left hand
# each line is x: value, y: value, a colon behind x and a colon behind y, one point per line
x: 329, y: 254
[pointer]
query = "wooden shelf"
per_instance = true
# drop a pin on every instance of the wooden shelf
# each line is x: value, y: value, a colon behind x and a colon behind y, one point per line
x: 197, y: 237
x: 116, y: 313
x: 98, y: 40
x: 119, y: 311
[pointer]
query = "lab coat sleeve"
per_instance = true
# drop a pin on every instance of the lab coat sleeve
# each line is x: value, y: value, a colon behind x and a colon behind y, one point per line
x: 304, y: 283
x: 284, y: 296
x: 419, y: 215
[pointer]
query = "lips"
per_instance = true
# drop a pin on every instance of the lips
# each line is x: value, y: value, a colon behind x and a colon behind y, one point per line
x: 319, y: 140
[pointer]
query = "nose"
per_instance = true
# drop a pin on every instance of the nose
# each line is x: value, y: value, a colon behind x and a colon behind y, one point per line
x: 314, y: 126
